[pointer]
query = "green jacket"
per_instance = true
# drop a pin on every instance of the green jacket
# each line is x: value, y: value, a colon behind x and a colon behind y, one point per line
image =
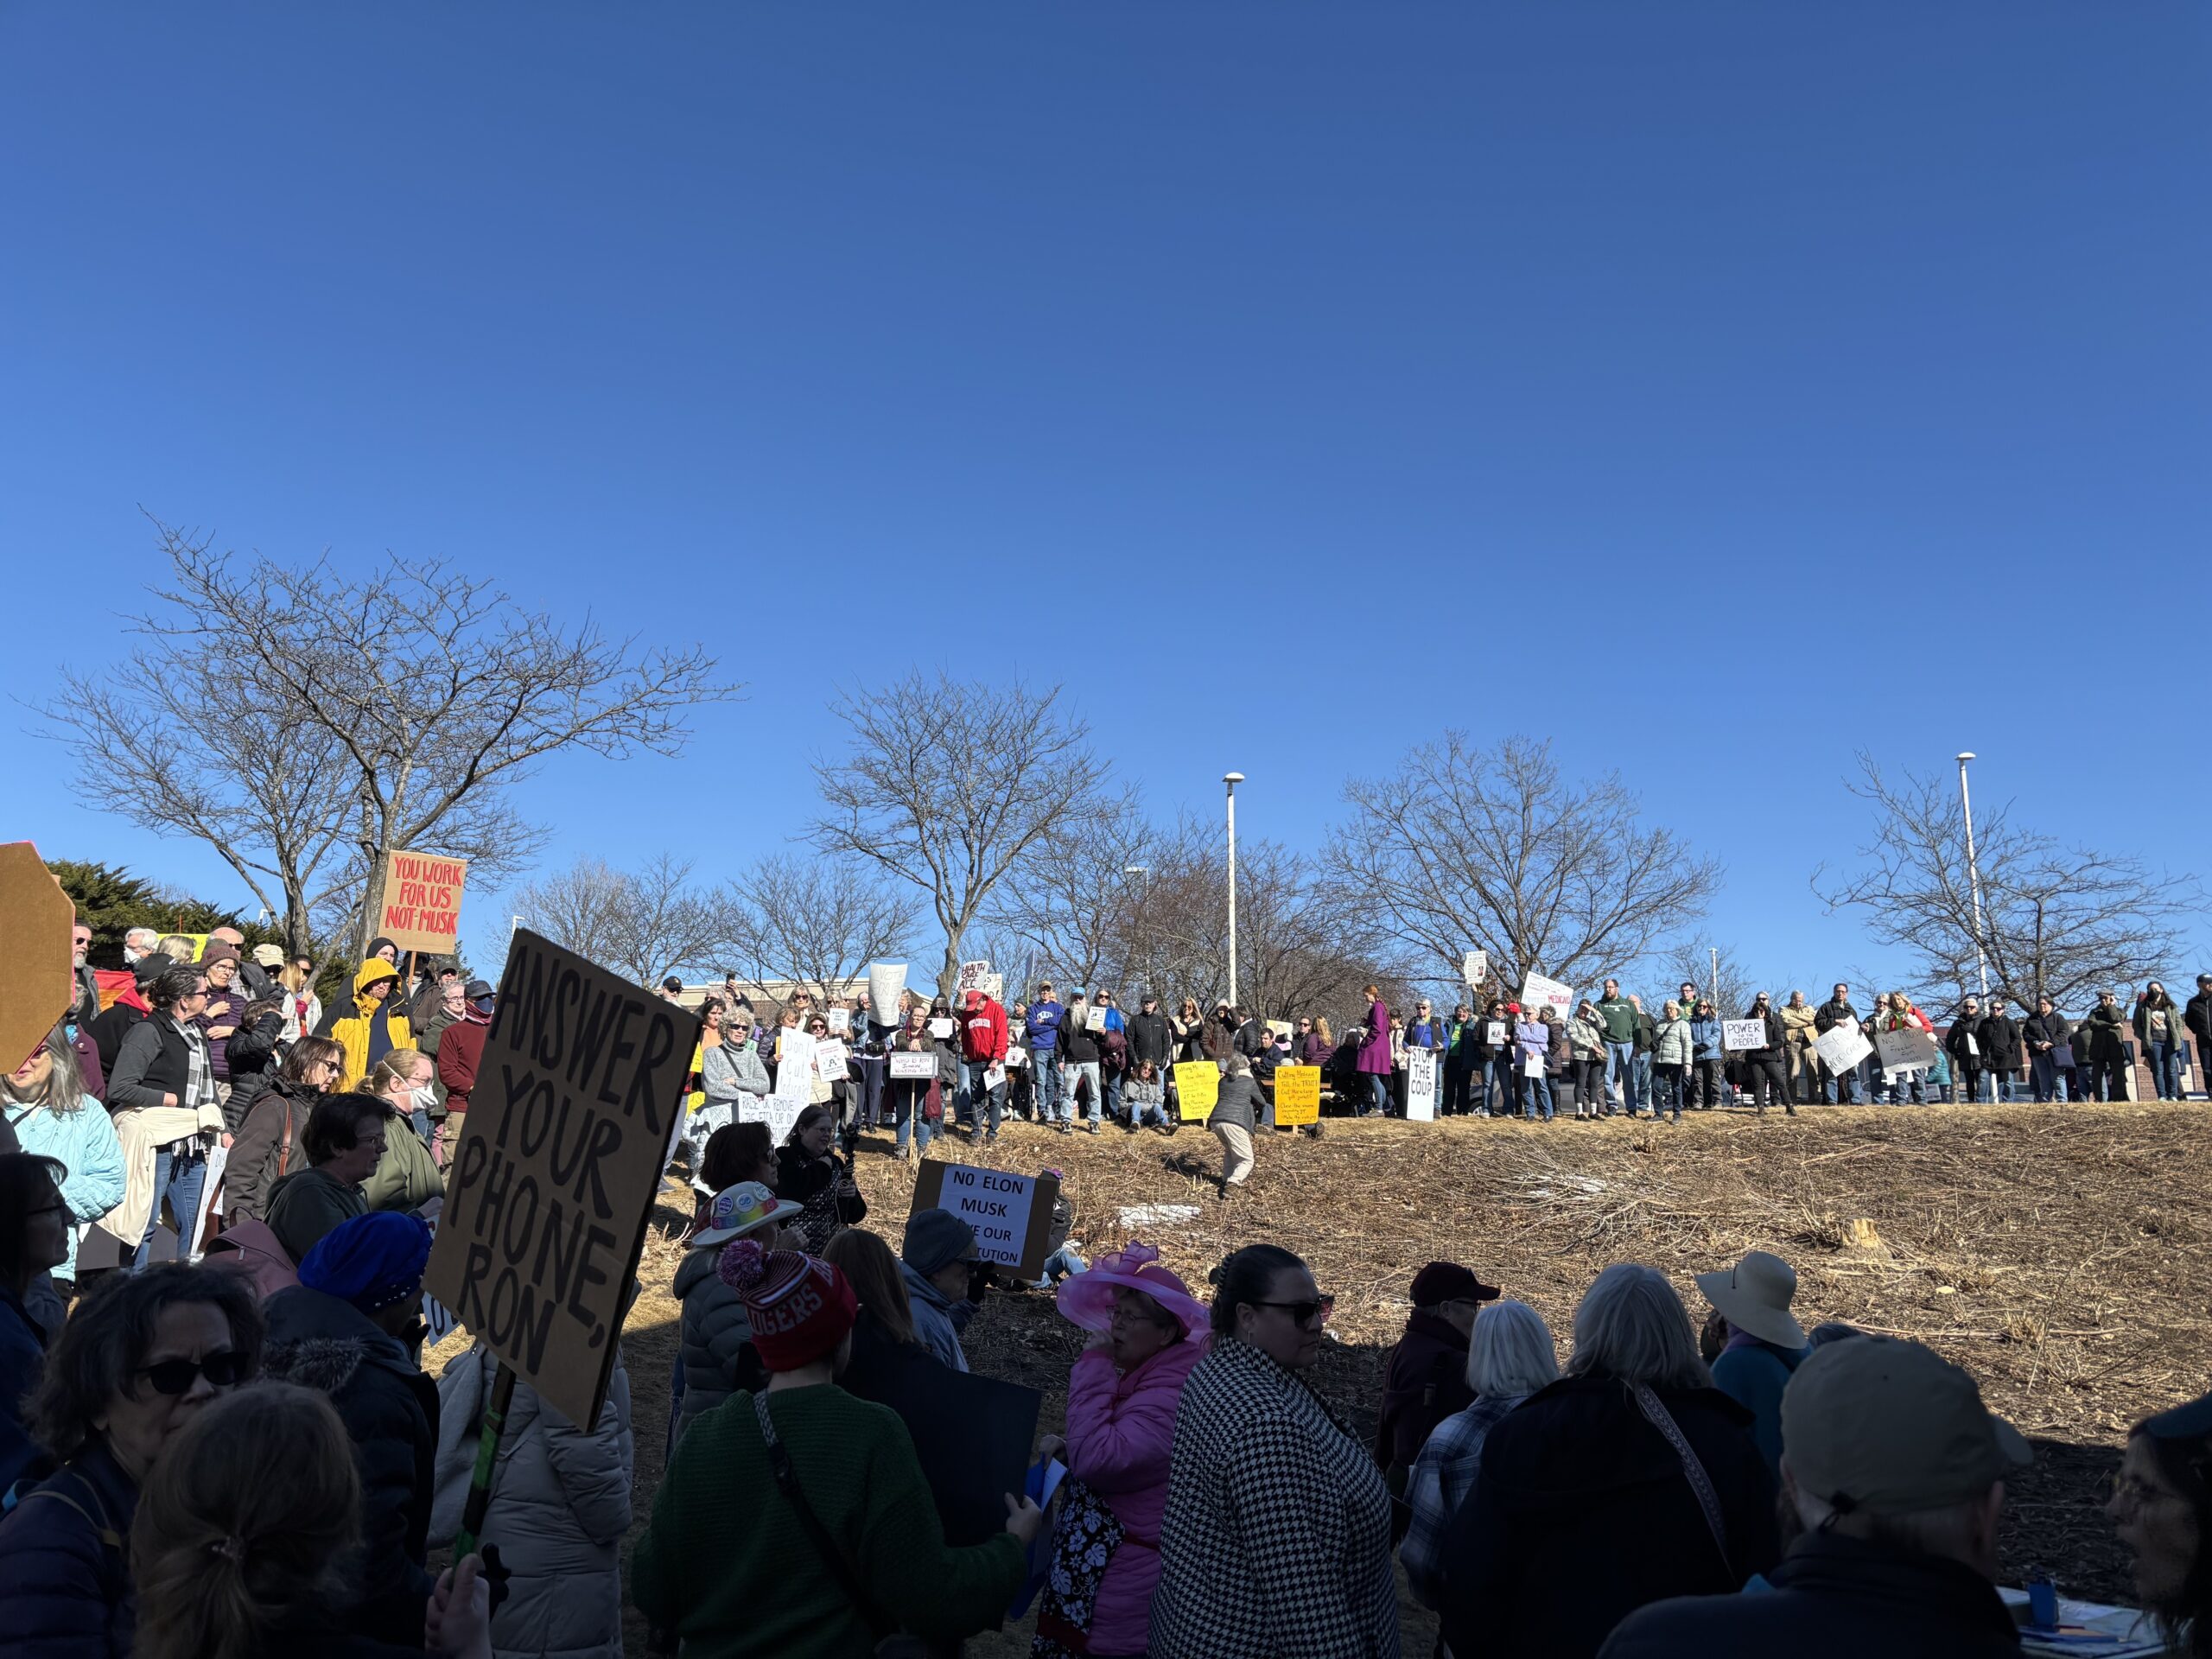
x: 727, y: 1566
x: 1619, y: 1015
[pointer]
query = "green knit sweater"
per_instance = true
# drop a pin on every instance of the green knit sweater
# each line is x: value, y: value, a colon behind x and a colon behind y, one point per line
x: 727, y: 1565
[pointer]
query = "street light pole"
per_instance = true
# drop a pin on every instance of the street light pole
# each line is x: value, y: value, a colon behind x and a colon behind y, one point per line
x: 1974, y: 875
x: 1231, y: 779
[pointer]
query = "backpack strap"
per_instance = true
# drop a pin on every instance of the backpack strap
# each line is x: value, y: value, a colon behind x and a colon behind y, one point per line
x: 779, y: 1459
x: 1708, y: 1501
x: 115, y: 1583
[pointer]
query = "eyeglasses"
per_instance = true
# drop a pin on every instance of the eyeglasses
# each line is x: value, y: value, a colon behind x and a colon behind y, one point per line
x: 1304, y: 1312
x: 222, y: 1369
x: 2137, y: 1494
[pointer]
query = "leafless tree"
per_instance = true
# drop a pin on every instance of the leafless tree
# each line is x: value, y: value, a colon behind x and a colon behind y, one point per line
x: 2057, y: 921
x: 1731, y: 990
x: 1072, y: 901
x: 816, y: 923
x: 305, y: 722
x: 648, y: 924
x: 951, y: 786
x: 1464, y: 847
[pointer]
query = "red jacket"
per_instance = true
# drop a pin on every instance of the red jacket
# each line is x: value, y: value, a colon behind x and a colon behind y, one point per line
x: 460, y: 1051
x: 982, y: 1032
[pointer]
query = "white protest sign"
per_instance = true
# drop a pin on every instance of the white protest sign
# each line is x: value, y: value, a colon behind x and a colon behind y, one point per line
x: 908, y: 1063
x: 994, y: 1076
x: 972, y: 974
x: 1737, y: 1035
x: 1474, y: 968
x: 1095, y: 1019
x: 942, y: 1028
x: 1841, y: 1048
x: 1421, y: 1084
x: 1011, y: 1214
x: 1908, y: 1049
x: 1494, y: 1034
x: 885, y: 981
x: 1537, y: 992
x: 779, y: 1112
x: 829, y: 1058
x: 994, y: 986
x: 841, y: 1019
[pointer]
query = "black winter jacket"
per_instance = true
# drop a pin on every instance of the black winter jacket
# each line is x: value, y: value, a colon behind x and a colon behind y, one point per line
x: 252, y: 1053
x: 2198, y: 1017
x: 1149, y: 1039
x: 65, y: 1594
x: 1832, y: 1598
x: 2107, y: 1030
x: 1573, y: 1471
x: 2000, y: 1038
x: 390, y: 1413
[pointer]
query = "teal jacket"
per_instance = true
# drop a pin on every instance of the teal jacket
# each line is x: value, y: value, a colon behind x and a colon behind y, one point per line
x: 1753, y: 1373
x: 84, y: 1141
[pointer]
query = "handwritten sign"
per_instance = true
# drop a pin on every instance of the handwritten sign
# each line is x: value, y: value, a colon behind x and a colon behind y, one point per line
x: 1094, y: 1018
x: 907, y: 1062
x: 779, y: 1112
x: 885, y: 980
x: 1908, y: 1049
x: 1537, y: 992
x: 551, y: 1187
x: 1298, y: 1095
x: 841, y: 1019
x: 973, y: 974
x: 1737, y: 1035
x: 1012, y: 1214
x: 829, y: 1059
x: 1474, y: 968
x: 1197, y: 1086
x: 795, y: 1052
x: 422, y: 901
x: 1421, y: 1084
x: 1841, y: 1048
x: 942, y: 1028
x: 993, y: 987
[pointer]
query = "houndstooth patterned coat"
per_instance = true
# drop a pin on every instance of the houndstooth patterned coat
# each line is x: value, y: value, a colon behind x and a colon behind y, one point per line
x: 1276, y: 1542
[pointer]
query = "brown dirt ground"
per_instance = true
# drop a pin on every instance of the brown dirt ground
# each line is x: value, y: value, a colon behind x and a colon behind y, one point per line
x: 2063, y: 1254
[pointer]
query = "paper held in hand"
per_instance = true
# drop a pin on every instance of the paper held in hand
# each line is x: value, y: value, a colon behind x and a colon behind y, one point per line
x: 1298, y: 1095
x: 1198, y: 1087
x: 1474, y: 968
x: 1908, y: 1049
x: 1095, y: 1019
x: 1841, y: 1048
x: 1738, y: 1035
x: 829, y: 1058
x: 1537, y: 992
x: 841, y: 1019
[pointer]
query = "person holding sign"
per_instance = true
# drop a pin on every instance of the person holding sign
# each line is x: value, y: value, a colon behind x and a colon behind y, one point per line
x: 731, y: 1072
x: 796, y: 1520
x: 918, y: 1087
x: 1962, y: 1042
x: 1766, y: 1067
x: 810, y: 1174
x: 982, y: 1057
x: 1079, y: 1066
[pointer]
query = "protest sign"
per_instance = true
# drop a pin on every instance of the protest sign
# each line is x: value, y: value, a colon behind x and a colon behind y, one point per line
x: 885, y: 981
x: 1197, y: 1086
x: 1841, y: 1048
x: 973, y: 974
x: 994, y: 1076
x: 37, y: 976
x: 841, y: 1019
x: 1494, y: 1034
x: 942, y: 1028
x: 1474, y: 968
x: 1737, y: 1035
x: 971, y: 1436
x: 908, y: 1063
x: 829, y: 1058
x: 1537, y: 992
x: 779, y: 1112
x: 1908, y: 1049
x: 1279, y: 1027
x: 1298, y: 1095
x: 1012, y: 1214
x: 1421, y: 1084
x: 1094, y: 1018
x: 552, y: 1185
x: 995, y: 987
x: 422, y: 901
x: 795, y: 1064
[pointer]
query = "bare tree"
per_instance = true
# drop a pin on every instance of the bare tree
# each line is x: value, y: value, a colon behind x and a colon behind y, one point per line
x: 389, y: 705
x: 1731, y: 988
x: 1072, y: 899
x: 648, y: 925
x: 1464, y: 847
x: 816, y: 923
x: 2057, y: 921
x: 950, y: 787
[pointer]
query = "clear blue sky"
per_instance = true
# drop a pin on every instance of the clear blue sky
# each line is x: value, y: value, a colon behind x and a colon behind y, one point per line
x: 1715, y: 389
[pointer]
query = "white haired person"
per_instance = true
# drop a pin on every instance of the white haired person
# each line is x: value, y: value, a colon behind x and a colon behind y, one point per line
x: 1510, y: 1357
x: 1896, y: 1471
x: 1633, y: 1460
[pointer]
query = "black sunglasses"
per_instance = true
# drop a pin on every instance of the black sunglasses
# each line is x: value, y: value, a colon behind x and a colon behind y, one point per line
x: 223, y: 1369
x: 1304, y: 1312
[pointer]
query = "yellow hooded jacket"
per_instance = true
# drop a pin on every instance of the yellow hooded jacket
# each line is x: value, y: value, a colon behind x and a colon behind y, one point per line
x: 351, y: 1031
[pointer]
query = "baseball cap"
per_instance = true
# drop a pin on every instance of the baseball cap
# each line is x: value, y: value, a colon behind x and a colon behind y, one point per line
x: 1447, y: 1281
x: 671, y: 984
x: 1880, y: 1426
x: 476, y: 989
x: 268, y: 956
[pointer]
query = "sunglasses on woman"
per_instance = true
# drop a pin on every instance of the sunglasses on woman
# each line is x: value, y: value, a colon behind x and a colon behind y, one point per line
x: 223, y: 1369
x: 1304, y: 1312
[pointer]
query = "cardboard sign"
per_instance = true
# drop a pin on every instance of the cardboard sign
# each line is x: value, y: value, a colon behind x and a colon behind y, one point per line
x: 1197, y: 1086
x: 942, y: 1028
x: 1298, y: 1095
x: 994, y: 986
x: 1737, y: 1035
x: 1909, y: 1049
x: 1094, y: 1018
x: 422, y: 901
x: 972, y: 974
x: 1474, y: 968
x: 1537, y: 992
x: 1421, y: 1084
x: 551, y: 1187
x: 1012, y: 1214
x: 38, y: 981
x: 841, y: 1019
x: 1841, y: 1048
x: 885, y: 981
x: 906, y: 1063
x: 971, y: 1436
x: 829, y: 1058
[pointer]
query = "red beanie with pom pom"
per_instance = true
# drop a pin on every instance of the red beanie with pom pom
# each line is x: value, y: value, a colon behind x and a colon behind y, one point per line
x: 800, y: 1306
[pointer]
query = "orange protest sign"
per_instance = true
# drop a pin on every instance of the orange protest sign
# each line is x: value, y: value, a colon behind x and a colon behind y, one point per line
x: 422, y: 902
x: 36, y: 981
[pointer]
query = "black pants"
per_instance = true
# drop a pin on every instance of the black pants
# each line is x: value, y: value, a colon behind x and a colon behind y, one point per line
x: 1968, y: 1078
x: 1458, y: 1092
x: 1703, y: 1083
x: 1588, y: 1076
x: 1770, y: 1077
x: 2106, y: 1080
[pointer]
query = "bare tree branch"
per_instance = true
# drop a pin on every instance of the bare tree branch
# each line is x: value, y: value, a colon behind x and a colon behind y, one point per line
x: 647, y: 925
x: 813, y: 923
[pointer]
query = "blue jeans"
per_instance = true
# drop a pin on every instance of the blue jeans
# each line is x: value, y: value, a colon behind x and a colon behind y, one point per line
x: 2166, y: 1068
x: 1643, y: 1081
x: 1058, y: 1265
x: 1142, y: 1112
x: 1379, y: 1103
x: 1046, y: 1065
x: 1620, y: 1066
x: 1535, y: 1091
x: 178, y: 1179
x: 909, y: 1104
x: 1113, y: 1097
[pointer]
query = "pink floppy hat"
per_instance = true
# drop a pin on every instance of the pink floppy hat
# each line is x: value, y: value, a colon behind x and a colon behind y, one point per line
x: 1086, y: 1298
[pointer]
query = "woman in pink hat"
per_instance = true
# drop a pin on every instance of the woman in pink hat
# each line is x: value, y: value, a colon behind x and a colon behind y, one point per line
x: 1148, y: 1332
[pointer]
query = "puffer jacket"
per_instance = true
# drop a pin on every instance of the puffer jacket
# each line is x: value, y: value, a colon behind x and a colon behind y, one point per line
x: 390, y: 1413
x: 267, y: 1147
x: 350, y: 1029
x: 714, y: 1341
x: 560, y: 1505
x: 65, y: 1591
x: 1676, y: 1047
x: 84, y: 1141
x: 1705, y: 1040
x: 1586, y: 1038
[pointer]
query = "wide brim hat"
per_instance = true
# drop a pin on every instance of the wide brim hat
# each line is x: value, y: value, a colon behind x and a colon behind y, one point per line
x: 736, y: 1211
x: 1086, y: 1298
x: 1754, y: 1296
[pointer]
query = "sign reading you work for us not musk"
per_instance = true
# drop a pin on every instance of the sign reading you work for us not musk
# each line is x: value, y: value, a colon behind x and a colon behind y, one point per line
x: 422, y: 901
x: 1012, y: 1214
x: 552, y: 1188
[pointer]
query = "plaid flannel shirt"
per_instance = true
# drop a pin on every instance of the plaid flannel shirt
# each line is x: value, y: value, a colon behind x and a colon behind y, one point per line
x: 1442, y: 1477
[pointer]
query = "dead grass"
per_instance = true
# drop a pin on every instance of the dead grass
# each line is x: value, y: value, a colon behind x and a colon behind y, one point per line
x: 2059, y: 1254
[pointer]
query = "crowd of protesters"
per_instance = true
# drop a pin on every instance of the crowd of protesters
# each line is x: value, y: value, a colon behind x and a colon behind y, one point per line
x: 218, y: 1439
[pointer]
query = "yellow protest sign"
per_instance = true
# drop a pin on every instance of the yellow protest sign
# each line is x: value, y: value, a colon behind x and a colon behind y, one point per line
x: 1298, y: 1095
x: 1197, y: 1085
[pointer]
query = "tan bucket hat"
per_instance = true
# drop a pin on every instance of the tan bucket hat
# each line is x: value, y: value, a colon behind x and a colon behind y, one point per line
x: 1754, y: 1297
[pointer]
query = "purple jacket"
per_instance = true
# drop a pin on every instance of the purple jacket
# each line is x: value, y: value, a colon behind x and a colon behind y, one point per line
x: 1374, y: 1053
x: 1121, y: 1438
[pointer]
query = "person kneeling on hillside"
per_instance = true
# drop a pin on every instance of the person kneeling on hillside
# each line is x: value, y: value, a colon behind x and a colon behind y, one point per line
x: 1896, y: 1471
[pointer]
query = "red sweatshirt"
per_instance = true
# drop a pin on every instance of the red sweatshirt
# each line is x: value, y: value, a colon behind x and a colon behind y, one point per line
x: 983, y: 1030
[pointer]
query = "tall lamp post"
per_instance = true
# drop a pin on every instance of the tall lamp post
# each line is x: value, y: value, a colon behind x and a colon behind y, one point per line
x: 1231, y: 779
x: 1974, y: 875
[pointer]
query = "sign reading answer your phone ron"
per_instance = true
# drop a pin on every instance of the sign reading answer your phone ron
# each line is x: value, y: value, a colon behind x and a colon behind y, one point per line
x: 1012, y: 1214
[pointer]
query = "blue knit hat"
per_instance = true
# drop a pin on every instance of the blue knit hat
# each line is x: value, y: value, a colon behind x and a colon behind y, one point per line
x: 374, y: 1262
